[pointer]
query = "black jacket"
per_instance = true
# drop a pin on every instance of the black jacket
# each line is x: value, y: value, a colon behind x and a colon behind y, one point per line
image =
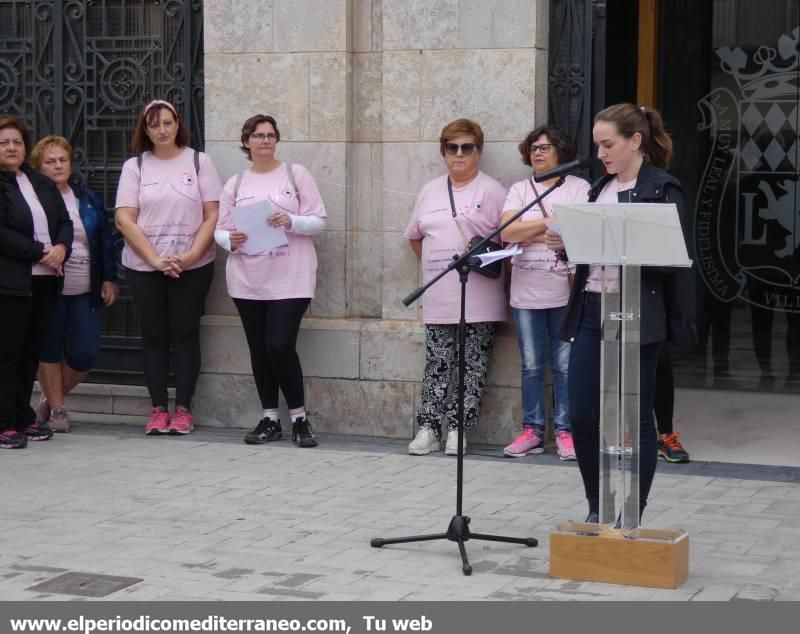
x: 18, y: 249
x: 667, y: 303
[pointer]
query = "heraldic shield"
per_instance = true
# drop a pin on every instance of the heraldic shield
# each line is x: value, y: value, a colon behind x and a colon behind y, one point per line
x: 752, y: 172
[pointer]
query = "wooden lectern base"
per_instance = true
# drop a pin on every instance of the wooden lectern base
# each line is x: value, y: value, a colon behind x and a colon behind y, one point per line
x: 592, y: 552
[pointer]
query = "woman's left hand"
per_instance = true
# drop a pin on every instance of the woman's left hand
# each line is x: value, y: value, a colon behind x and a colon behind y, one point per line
x: 54, y: 256
x: 280, y: 219
x: 109, y: 292
x: 183, y: 261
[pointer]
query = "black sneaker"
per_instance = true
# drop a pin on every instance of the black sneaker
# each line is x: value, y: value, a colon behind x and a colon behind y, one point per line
x: 267, y: 430
x: 12, y: 439
x: 302, y: 434
x: 37, y: 431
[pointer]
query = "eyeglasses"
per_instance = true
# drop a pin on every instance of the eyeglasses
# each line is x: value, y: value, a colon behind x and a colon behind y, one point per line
x: 260, y: 136
x: 453, y: 148
x: 544, y: 148
x: 15, y: 142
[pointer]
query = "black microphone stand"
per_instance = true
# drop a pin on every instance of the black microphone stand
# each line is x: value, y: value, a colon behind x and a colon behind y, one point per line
x: 458, y: 531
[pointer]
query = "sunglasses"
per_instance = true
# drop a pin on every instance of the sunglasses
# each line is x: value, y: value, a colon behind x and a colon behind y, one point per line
x: 453, y: 148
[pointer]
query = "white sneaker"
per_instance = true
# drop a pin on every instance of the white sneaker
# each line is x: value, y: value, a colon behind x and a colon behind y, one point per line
x: 425, y: 441
x: 451, y: 447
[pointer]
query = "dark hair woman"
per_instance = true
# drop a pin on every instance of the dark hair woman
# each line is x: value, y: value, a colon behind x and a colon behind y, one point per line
x: 90, y: 275
x: 35, y: 240
x: 540, y: 290
x: 635, y: 150
x: 167, y: 207
x: 272, y: 288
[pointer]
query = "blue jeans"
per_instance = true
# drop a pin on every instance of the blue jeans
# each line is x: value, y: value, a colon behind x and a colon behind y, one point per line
x: 538, y: 332
x: 74, y: 329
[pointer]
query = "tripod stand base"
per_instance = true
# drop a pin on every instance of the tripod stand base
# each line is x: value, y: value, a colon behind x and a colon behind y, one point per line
x: 458, y: 531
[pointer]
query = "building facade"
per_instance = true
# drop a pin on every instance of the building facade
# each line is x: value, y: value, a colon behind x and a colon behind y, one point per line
x: 361, y: 90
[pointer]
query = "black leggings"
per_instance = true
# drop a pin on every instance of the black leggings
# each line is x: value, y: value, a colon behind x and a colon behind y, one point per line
x: 583, y: 383
x: 271, y: 328
x: 24, y: 321
x: 170, y: 310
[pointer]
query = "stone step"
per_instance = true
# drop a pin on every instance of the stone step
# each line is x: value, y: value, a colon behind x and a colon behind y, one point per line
x: 97, y: 398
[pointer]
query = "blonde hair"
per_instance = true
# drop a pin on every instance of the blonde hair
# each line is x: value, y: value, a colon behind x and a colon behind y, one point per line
x: 37, y: 153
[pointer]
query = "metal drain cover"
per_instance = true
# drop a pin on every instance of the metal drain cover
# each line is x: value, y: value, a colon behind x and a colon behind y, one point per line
x: 84, y: 584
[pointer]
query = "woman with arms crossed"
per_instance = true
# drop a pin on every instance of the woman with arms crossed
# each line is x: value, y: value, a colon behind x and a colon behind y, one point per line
x: 540, y: 290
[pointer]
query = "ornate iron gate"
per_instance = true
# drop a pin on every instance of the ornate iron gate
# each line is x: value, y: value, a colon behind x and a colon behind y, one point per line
x: 83, y: 69
x: 576, y: 67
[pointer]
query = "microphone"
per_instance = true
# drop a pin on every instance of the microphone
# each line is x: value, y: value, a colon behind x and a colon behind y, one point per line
x: 563, y: 169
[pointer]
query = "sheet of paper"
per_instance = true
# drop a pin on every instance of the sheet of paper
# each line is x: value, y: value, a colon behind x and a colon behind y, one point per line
x: 488, y: 258
x: 252, y: 220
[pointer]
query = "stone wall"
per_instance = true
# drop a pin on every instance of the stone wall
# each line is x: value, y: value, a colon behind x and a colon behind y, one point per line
x: 361, y: 90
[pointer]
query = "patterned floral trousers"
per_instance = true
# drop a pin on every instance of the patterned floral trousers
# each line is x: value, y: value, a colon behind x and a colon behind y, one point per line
x: 440, y: 381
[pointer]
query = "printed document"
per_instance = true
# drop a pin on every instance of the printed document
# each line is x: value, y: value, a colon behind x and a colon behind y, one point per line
x: 252, y: 220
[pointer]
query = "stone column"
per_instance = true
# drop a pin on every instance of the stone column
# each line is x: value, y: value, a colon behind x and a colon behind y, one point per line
x: 361, y: 90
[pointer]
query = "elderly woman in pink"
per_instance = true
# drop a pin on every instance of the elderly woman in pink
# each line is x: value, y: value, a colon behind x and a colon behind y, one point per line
x: 273, y: 287
x: 449, y: 211
x: 167, y: 207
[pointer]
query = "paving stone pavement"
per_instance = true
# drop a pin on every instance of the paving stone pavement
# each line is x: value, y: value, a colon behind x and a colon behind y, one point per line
x: 206, y: 517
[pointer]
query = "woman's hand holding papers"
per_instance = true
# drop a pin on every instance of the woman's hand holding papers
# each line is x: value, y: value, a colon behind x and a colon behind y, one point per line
x: 237, y: 238
x: 280, y: 220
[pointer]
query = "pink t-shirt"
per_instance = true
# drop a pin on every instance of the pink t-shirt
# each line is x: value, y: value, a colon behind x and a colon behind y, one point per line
x: 594, y: 283
x: 169, y: 197
x: 538, y: 278
x: 41, y: 230
x: 479, y: 206
x: 77, y: 280
x: 285, y: 272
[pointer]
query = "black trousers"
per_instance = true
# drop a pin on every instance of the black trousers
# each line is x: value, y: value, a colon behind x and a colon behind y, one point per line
x: 23, y: 324
x: 664, y: 403
x: 170, y: 310
x: 583, y: 384
x: 271, y: 328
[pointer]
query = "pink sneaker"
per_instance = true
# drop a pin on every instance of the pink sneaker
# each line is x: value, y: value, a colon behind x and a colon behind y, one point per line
x: 181, y: 421
x: 529, y: 441
x: 158, y: 423
x: 565, y: 446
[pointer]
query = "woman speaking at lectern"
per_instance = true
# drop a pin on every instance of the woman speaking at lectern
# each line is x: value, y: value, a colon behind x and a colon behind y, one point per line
x: 635, y: 151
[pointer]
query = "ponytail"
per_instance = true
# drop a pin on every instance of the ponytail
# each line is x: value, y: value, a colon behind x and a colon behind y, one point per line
x: 656, y: 145
x: 658, y: 150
